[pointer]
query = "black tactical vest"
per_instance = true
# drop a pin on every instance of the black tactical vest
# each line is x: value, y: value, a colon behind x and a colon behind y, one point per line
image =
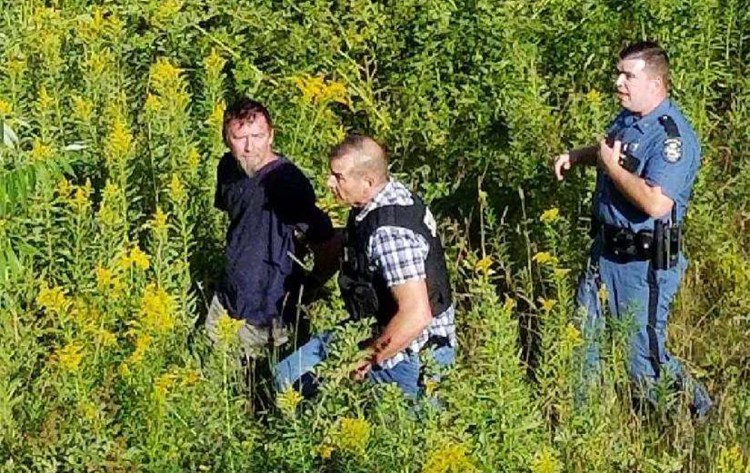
x: 365, y: 292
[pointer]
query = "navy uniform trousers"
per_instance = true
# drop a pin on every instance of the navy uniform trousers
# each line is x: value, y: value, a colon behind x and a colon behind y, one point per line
x: 642, y: 296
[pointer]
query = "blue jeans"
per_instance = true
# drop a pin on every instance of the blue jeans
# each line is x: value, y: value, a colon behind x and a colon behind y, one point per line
x: 405, y: 374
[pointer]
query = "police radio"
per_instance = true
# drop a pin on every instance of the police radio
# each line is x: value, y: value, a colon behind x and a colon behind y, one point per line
x: 629, y: 162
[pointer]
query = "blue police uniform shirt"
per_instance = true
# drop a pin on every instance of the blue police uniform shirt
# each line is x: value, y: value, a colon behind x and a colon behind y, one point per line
x: 264, y: 212
x: 662, y: 162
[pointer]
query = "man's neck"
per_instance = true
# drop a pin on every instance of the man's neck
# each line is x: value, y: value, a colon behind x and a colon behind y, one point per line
x: 653, y: 106
x: 375, y: 191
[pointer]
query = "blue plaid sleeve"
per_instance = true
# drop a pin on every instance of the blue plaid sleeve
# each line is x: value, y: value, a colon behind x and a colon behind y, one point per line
x: 398, y: 254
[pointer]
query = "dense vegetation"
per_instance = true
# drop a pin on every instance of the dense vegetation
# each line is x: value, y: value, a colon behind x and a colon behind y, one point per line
x: 109, y: 245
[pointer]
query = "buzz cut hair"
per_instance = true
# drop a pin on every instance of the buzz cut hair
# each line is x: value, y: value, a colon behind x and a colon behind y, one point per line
x: 655, y: 57
x: 243, y: 110
x: 370, y: 156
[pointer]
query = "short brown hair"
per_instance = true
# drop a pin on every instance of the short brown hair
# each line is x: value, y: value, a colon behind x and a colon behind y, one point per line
x: 244, y: 109
x: 656, y: 59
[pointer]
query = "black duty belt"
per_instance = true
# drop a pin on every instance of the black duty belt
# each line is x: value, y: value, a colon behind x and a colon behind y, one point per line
x: 660, y: 246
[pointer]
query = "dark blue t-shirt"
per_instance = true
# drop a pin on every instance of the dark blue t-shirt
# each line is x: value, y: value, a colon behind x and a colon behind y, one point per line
x: 264, y: 212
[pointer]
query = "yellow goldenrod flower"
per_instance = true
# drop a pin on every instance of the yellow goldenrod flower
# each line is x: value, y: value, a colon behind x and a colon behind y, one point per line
x: 86, y: 317
x: 449, y: 458
x: 69, y: 357
x: 107, y: 216
x: 40, y: 152
x: 731, y: 460
x: 81, y: 196
x: 98, y: 25
x: 118, y: 142
x: 549, y: 216
x: 165, y: 77
x: 214, y: 64
x: 547, y: 304
x: 430, y: 387
x: 88, y: 409
x: 315, y: 90
x: 111, y: 192
x: 573, y: 336
x: 82, y: 109
x: 326, y: 450
x: 509, y: 303
x: 52, y: 299
x: 152, y: 104
x: 165, y: 12
x: 227, y: 328
x: 44, y: 101
x: 189, y: 377
x: 6, y: 108
x: 594, y: 97
x: 64, y: 188
x: 546, y: 461
x: 138, y: 258
x: 545, y: 257
x: 142, y: 344
x: 176, y: 189
x: 124, y: 370
x: 310, y: 86
x: 104, y: 278
x: 16, y: 65
x: 215, y: 121
x: 163, y: 384
x: 193, y: 159
x: 159, y: 221
x: 483, y: 266
x: 157, y: 306
x: 353, y: 434
x: 288, y: 400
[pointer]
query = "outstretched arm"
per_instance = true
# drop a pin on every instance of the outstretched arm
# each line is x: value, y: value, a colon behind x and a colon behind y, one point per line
x: 565, y: 161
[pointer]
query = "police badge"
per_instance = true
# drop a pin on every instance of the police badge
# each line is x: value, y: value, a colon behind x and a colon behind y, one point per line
x: 672, y: 150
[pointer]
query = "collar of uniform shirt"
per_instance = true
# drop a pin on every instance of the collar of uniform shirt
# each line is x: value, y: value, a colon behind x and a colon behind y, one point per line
x: 652, y: 117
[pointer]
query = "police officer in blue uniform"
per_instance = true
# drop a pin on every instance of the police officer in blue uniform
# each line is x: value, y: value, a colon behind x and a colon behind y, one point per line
x: 646, y: 168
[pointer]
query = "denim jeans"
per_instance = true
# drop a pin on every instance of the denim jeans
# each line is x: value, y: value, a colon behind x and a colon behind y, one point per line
x: 405, y: 374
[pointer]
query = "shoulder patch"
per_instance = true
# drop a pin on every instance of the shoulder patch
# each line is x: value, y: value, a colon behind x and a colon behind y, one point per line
x: 673, y: 144
x: 672, y: 150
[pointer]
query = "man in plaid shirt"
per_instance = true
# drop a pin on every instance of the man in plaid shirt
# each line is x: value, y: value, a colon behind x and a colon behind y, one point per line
x: 393, y: 270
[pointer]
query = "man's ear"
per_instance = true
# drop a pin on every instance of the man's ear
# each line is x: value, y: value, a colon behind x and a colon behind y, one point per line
x: 270, y: 140
x: 369, y: 178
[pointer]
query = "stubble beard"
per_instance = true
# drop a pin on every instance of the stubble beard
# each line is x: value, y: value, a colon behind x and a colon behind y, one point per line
x: 250, y: 164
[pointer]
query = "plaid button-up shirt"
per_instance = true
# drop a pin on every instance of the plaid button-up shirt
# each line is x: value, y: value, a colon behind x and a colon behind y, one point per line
x: 399, y: 254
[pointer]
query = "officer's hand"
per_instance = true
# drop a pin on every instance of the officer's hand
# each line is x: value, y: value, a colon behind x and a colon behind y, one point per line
x: 562, y: 164
x: 609, y: 156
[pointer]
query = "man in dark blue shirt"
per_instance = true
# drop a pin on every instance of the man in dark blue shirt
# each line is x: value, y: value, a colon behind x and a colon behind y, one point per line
x: 268, y: 201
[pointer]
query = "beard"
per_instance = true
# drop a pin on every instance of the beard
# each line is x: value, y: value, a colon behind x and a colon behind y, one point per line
x: 250, y: 163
